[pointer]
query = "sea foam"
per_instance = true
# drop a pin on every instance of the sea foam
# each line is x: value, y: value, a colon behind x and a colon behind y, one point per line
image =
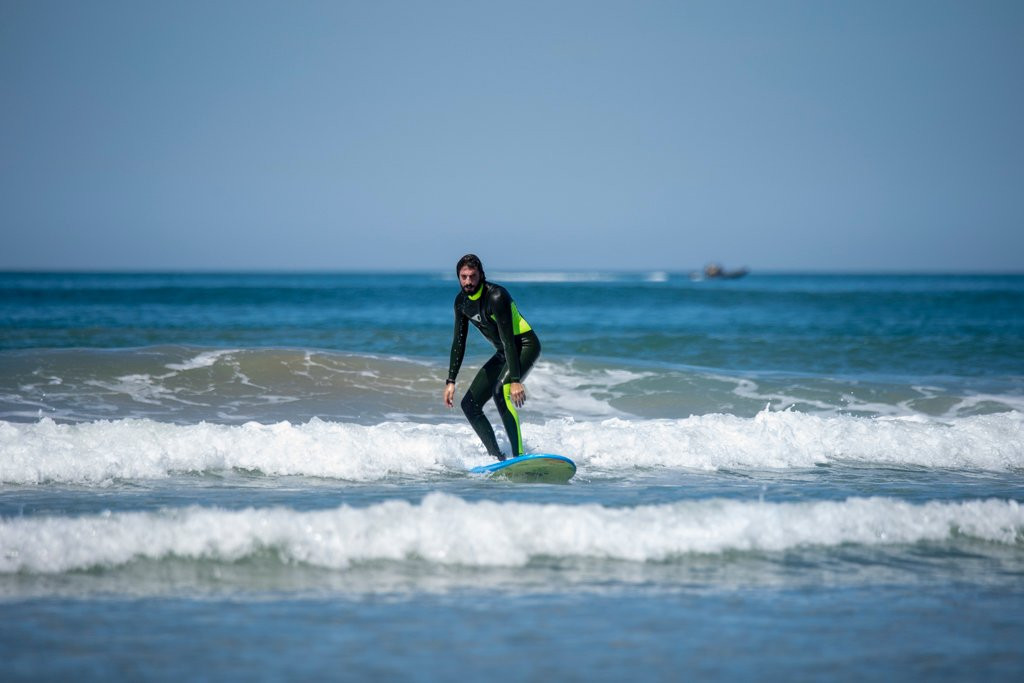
x: 447, y: 530
x: 102, y: 451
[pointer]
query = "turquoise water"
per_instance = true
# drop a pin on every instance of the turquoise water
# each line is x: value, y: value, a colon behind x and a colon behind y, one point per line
x: 253, y: 475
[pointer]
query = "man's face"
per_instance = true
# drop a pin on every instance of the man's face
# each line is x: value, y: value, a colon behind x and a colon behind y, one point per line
x: 469, y: 279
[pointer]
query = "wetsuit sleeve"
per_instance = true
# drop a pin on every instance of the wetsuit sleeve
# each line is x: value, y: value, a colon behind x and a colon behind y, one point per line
x: 458, y: 343
x: 501, y: 306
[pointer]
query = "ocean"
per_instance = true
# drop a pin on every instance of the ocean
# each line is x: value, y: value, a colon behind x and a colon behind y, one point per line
x: 253, y: 476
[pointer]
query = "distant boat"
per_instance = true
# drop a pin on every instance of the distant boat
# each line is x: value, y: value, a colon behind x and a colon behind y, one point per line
x: 714, y: 271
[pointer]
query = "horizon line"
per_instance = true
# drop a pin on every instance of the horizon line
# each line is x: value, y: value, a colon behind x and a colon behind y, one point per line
x: 539, y: 270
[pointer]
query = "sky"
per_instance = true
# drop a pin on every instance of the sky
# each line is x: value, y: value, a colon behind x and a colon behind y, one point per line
x: 629, y: 135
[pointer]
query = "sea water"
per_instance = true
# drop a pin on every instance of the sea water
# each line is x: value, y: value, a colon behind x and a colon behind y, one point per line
x: 239, y: 476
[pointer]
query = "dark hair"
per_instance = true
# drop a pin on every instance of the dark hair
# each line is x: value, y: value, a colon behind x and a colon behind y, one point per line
x: 473, y: 261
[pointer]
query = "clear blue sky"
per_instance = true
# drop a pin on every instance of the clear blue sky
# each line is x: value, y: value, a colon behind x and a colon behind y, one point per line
x: 851, y: 135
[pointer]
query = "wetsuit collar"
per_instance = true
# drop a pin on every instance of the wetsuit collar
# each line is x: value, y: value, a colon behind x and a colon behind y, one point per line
x: 479, y: 292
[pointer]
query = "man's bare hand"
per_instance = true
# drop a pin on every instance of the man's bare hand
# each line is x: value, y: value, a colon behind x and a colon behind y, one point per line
x: 517, y: 392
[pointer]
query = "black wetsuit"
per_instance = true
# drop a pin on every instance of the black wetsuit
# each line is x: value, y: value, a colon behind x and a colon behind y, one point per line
x: 493, y: 312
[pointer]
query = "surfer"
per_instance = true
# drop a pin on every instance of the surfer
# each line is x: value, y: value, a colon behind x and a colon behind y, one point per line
x: 491, y: 309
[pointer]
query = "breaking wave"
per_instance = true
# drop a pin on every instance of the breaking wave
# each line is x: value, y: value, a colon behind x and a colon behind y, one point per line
x: 446, y: 530
x: 101, y: 451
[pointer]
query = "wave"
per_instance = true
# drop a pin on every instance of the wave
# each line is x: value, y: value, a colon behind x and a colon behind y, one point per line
x: 186, y: 384
x: 102, y: 451
x: 234, y: 386
x: 447, y: 530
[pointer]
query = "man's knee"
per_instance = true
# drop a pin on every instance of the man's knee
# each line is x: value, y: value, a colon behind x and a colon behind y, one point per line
x: 470, y: 407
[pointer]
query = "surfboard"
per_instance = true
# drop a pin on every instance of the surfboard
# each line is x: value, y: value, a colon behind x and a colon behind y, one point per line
x: 533, y: 467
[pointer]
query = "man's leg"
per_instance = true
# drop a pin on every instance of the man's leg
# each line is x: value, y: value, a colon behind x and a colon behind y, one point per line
x: 476, y: 397
x: 529, y: 350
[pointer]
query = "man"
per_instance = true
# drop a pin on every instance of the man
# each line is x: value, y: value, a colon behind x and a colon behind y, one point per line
x: 490, y: 308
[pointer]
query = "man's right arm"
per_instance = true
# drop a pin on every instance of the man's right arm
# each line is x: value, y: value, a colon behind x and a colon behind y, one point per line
x: 458, y: 343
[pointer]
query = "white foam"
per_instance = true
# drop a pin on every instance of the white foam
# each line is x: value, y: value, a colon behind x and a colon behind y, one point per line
x: 791, y: 439
x: 448, y: 530
x: 140, y: 388
x: 565, y: 389
x: 98, y: 452
x: 975, y: 400
x: 149, y: 389
x: 749, y: 389
x: 205, y: 359
x: 838, y: 397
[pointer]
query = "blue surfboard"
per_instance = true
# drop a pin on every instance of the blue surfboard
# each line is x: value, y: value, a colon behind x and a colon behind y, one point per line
x: 534, y: 467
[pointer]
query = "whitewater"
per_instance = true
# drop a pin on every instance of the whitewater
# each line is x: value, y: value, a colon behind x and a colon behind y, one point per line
x: 447, y: 530
x: 97, y: 453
